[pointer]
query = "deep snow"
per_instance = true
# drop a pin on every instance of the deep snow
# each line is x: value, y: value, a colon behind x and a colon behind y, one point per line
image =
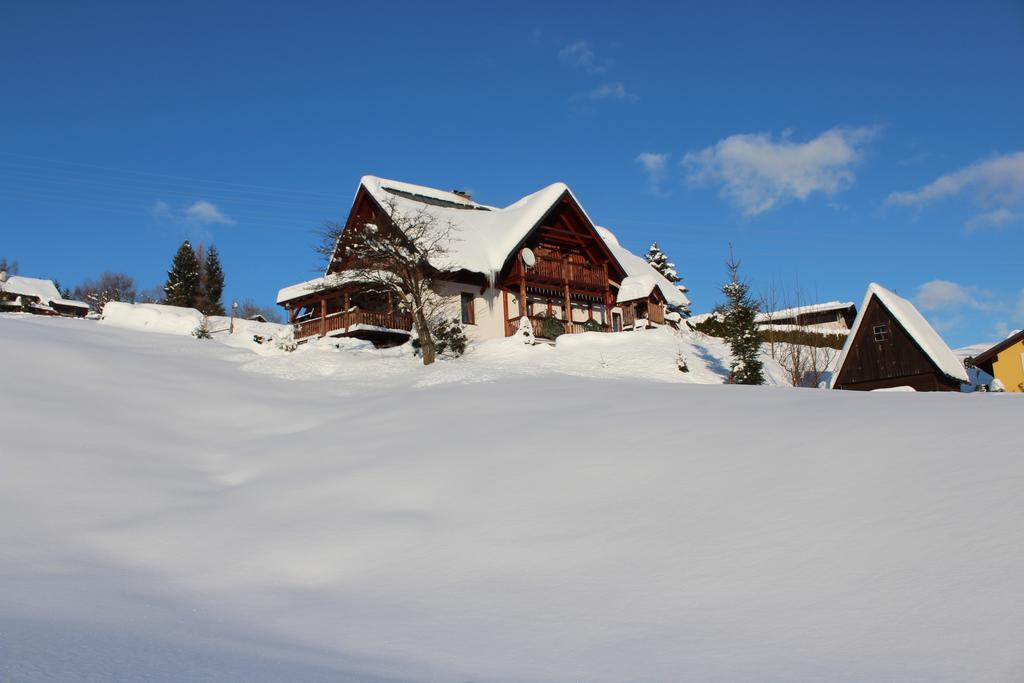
x: 181, y: 509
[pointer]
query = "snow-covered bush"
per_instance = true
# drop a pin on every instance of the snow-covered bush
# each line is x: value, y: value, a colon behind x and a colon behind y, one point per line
x: 449, y: 338
x: 593, y: 326
x: 203, y: 330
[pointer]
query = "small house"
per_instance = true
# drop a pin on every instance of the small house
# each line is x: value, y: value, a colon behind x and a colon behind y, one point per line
x: 38, y: 296
x: 831, y: 316
x: 892, y: 345
x: 1004, y: 361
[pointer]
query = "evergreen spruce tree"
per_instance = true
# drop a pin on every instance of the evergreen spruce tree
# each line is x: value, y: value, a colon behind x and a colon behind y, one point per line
x: 657, y: 258
x: 182, y: 288
x: 739, y: 320
x: 213, y: 284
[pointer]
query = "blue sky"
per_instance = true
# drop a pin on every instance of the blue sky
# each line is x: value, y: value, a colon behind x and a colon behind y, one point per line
x: 832, y: 146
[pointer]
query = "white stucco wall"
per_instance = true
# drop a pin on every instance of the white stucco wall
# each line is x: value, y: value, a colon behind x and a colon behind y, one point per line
x: 487, y: 308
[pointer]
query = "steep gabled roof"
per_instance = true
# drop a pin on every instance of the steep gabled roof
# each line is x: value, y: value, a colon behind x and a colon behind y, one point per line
x: 911, y: 320
x: 990, y: 353
x: 483, y: 236
x: 641, y: 276
x: 44, y: 290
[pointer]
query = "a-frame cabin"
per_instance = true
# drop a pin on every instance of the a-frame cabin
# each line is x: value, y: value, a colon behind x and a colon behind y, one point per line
x: 892, y: 345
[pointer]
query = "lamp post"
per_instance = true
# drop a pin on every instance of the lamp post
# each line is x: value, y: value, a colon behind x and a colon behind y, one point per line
x: 234, y: 307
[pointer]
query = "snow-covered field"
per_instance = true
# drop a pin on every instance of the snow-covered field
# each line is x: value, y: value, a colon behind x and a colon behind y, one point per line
x: 182, y: 509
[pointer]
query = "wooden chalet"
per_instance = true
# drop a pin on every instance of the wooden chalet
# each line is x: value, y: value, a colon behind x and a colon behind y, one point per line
x: 892, y: 345
x: 37, y: 296
x: 540, y: 258
x: 1004, y: 361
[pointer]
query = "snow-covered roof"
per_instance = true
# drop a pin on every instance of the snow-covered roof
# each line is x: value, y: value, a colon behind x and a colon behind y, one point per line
x: 916, y: 326
x: 803, y: 310
x: 44, y: 290
x: 482, y: 236
x: 641, y: 277
x: 297, y: 291
x: 69, y: 302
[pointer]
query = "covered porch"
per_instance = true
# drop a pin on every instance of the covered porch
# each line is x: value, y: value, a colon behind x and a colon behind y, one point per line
x: 320, y: 309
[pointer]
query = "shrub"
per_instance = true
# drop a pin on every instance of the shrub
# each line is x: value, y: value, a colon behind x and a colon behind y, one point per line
x: 593, y: 326
x: 203, y: 331
x: 550, y: 327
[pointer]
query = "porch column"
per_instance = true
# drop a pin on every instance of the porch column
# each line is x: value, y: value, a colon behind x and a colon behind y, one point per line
x: 323, y: 316
x: 609, y: 303
x: 291, y: 314
x: 567, y: 311
x: 523, y: 309
x: 345, y: 316
x: 504, y: 301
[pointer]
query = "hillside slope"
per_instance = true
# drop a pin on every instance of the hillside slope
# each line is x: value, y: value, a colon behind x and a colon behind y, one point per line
x: 174, y: 509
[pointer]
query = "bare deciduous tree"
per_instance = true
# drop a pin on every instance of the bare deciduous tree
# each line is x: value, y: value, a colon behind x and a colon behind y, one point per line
x: 109, y: 287
x: 399, y: 257
x: 803, y: 354
x: 249, y: 309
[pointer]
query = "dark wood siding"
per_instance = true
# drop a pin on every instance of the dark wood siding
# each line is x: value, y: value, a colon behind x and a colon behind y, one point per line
x: 894, y: 361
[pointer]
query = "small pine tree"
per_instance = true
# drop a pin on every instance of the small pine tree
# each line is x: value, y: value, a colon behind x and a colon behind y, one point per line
x: 213, y: 284
x: 657, y: 258
x: 182, y: 288
x: 739, y: 314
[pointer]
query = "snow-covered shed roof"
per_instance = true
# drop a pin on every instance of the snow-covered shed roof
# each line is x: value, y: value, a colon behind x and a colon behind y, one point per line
x: 787, y: 313
x: 482, y: 236
x: 923, y: 334
x: 641, y: 277
x: 44, y: 290
x: 297, y: 291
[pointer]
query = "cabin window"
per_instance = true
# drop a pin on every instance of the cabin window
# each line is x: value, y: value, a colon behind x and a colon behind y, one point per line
x: 881, y: 332
x: 468, y: 309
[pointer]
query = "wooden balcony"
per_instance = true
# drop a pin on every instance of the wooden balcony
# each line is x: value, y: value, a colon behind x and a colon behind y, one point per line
x: 577, y: 274
x: 343, y: 322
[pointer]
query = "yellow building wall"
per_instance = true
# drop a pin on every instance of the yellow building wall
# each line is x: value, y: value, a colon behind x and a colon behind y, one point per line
x: 1008, y: 367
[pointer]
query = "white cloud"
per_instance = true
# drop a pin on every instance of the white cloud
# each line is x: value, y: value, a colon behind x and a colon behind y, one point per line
x: 581, y: 55
x: 948, y: 296
x: 612, y: 91
x: 996, y: 180
x: 993, y: 219
x: 758, y: 173
x: 656, y: 167
x: 204, y: 213
x: 197, y: 216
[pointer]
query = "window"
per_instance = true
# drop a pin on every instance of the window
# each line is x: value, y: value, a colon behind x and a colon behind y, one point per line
x: 468, y: 309
x: 881, y: 332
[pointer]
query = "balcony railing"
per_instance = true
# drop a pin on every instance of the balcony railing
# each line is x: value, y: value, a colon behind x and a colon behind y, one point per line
x: 563, y: 271
x: 346, y: 320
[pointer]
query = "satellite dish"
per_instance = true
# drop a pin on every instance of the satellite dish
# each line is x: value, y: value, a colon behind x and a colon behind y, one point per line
x: 528, y: 258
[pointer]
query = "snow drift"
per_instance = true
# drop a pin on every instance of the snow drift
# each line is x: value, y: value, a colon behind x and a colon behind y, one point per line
x: 198, y: 516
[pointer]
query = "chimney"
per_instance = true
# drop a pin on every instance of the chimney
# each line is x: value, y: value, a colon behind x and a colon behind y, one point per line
x: 462, y: 193
x: 3, y: 276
